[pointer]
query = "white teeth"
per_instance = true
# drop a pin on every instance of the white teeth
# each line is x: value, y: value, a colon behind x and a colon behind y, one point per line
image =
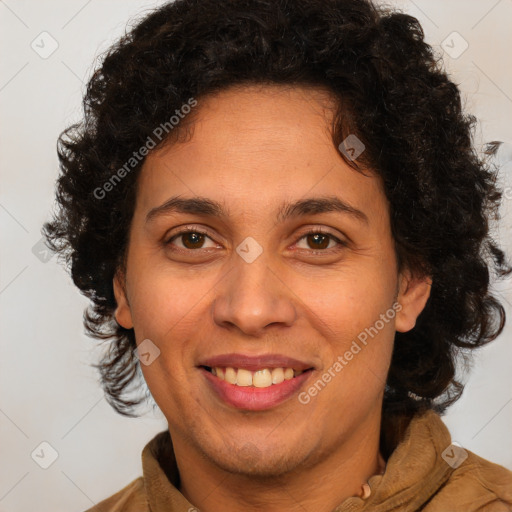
x: 263, y: 378
x: 243, y: 377
x: 288, y: 374
x: 277, y: 375
x: 230, y: 375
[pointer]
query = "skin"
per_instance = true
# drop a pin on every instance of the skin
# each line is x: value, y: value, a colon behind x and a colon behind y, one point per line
x: 251, y: 149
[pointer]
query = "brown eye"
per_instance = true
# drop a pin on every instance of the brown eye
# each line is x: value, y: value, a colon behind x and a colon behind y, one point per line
x: 318, y: 241
x: 192, y: 240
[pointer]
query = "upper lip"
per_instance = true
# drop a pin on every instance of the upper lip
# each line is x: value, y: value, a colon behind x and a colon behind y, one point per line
x: 255, y: 362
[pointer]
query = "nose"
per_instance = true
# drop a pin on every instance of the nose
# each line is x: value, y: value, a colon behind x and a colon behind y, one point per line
x: 252, y: 297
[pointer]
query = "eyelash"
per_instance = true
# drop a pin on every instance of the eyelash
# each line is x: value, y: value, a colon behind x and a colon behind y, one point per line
x: 312, y: 231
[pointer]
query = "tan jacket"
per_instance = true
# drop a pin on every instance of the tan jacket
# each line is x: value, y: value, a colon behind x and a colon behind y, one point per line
x: 424, y: 473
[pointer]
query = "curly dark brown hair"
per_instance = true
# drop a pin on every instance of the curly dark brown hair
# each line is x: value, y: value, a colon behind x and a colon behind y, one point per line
x: 402, y: 106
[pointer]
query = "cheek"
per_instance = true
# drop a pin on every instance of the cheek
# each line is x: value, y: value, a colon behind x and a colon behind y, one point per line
x: 163, y: 302
x: 165, y: 316
x: 357, y: 349
x: 357, y: 343
x: 167, y: 310
x: 350, y: 301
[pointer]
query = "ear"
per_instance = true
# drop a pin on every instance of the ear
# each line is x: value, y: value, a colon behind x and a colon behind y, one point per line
x: 412, y: 296
x: 122, y: 314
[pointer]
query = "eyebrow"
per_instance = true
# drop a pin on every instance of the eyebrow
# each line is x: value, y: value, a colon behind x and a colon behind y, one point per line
x: 302, y: 207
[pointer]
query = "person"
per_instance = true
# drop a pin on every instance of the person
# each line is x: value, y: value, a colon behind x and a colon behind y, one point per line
x: 279, y: 218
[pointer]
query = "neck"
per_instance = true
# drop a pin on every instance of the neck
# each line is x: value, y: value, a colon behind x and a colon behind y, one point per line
x: 321, y: 483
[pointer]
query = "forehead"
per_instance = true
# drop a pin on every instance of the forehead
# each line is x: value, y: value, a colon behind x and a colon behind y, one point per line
x: 253, y: 146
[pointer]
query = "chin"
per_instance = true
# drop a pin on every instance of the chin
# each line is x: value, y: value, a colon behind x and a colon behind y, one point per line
x: 253, y: 462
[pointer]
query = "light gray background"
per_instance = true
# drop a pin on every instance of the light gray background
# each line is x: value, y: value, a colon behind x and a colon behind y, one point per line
x: 48, y: 391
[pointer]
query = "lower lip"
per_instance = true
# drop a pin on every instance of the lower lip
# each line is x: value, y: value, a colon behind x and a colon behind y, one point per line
x: 256, y: 399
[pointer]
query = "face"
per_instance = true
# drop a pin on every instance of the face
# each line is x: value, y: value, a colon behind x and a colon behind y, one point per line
x: 270, y: 266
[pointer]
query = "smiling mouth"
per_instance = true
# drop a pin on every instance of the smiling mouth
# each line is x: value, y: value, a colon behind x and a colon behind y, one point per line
x: 262, y: 378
